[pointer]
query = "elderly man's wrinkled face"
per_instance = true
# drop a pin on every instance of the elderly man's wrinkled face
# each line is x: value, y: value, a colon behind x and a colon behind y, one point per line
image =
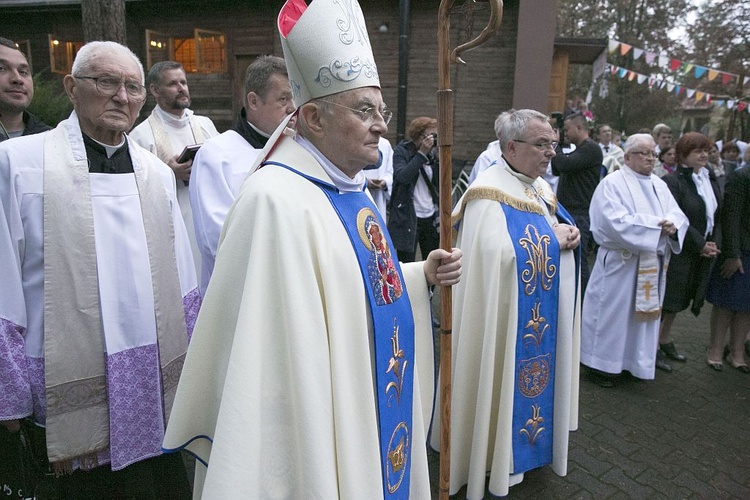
x: 106, y: 117
x: 531, y: 153
x: 351, y: 135
x: 641, y: 158
x: 16, y: 87
x: 172, y: 93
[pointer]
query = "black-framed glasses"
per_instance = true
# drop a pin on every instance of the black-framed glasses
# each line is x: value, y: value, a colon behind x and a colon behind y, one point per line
x: 645, y: 154
x: 109, y: 86
x: 541, y: 146
x: 367, y: 115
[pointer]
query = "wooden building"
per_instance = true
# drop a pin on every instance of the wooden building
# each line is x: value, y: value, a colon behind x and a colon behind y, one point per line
x: 216, y: 40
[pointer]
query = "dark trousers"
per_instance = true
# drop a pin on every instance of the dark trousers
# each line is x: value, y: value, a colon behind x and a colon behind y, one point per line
x: 588, y: 245
x: 428, y: 239
x: 24, y: 466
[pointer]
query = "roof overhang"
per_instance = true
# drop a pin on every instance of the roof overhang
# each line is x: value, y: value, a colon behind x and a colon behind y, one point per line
x: 582, y: 50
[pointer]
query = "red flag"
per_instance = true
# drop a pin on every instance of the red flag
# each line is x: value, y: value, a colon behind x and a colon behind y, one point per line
x: 289, y: 15
x: 741, y: 106
x: 675, y: 64
x: 726, y: 78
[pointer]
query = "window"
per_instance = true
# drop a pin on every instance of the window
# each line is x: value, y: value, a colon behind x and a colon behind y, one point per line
x: 25, y: 47
x: 204, y: 52
x: 62, y: 53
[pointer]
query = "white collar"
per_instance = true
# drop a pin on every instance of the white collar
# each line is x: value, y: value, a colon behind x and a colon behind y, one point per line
x: 343, y: 182
x: 173, y: 120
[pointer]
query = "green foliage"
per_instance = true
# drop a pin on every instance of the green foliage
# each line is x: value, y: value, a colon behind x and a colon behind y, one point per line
x: 646, y: 24
x: 50, y: 103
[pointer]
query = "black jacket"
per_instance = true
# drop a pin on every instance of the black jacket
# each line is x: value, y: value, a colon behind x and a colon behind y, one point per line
x: 579, y: 174
x: 32, y: 125
x: 402, y: 218
x: 735, y: 214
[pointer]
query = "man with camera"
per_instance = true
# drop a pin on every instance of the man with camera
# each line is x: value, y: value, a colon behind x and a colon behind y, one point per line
x: 414, y: 215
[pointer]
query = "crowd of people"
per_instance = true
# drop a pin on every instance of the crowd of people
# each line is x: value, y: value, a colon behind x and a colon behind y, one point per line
x: 256, y: 299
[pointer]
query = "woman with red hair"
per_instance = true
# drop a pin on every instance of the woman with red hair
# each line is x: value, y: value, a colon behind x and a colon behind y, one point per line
x: 695, y: 189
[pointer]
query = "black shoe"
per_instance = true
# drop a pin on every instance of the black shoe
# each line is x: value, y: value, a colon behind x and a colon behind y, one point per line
x: 670, y: 352
x: 600, y: 378
x: 661, y: 363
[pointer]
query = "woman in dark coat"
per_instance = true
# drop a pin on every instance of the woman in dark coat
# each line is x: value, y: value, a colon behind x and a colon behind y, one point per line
x: 697, y: 193
x: 729, y: 289
x: 413, y: 212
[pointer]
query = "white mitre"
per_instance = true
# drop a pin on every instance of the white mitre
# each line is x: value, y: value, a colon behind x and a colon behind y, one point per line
x: 326, y: 48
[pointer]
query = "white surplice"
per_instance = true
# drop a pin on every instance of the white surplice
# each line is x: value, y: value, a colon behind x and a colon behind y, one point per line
x: 613, y: 338
x: 124, y: 279
x: 219, y: 169
x: 384, y: 172
x: 181, y: 134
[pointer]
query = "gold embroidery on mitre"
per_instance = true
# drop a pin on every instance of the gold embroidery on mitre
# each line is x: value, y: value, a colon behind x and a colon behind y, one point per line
x: 540, y: 269
x: 534, y: 423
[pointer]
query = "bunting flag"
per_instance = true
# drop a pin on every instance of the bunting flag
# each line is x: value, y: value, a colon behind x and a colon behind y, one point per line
x: 673, y: 64
x: 657, y: 83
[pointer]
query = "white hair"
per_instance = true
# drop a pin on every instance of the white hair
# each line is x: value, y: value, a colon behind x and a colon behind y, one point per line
x: 636, y: 140
x: 82, y: 62
x: 514, y: 126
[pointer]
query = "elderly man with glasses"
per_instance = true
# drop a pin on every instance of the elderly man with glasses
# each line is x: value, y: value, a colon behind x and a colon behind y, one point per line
x: 515, y: 333
x: 638, y: 225
x: 310, y: 373
x: 99, y: 290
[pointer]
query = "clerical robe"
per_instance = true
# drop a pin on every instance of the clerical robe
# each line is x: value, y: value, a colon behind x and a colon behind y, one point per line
x: 166, y: 135
x: 486, y: 331
x: 613, y: 337
x: 127, y: 382
x: 219, y: 169
x: 277, y: 395
x: 384, y: 171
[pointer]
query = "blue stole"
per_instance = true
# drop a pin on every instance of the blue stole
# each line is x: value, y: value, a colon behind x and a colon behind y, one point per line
x: 537, y: 260
x: 393, y: 326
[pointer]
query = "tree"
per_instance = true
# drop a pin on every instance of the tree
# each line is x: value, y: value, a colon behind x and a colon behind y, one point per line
x: 643, y: 23
x: 103, y: 20
x: 720, y: 36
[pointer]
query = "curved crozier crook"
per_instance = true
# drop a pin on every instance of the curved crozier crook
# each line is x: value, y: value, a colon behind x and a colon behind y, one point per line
x: 496, y: 18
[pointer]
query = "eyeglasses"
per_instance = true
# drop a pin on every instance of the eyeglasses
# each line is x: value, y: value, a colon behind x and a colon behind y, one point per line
x: 645, y: 154
x: 367, y: 115
x: 541, y: 146
x: 109, y: 86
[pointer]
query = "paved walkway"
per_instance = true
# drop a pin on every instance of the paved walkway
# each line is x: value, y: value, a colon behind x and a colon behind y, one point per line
x: 684, y: 435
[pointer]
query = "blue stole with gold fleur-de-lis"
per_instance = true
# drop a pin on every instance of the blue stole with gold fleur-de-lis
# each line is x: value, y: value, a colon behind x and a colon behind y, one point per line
x: 393, y: 326
x: 538, y: 262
